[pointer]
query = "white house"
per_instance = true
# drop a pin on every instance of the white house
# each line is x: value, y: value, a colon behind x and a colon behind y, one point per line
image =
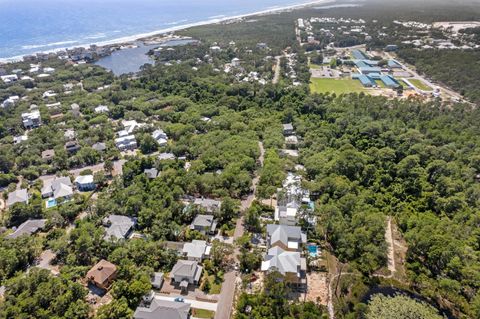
x: 9, y: 78
x: 31, y: 119
x: 59, y: 187
x: 102, y: 109
x: 84, y: 183
x: 161, y: 137
x: 125, y: 141
x: 131, y: 126
x: 10, y: 102
x: 197, y: 250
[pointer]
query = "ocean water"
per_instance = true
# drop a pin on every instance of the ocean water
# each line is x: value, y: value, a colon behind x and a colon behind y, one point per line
x: 29, y: 26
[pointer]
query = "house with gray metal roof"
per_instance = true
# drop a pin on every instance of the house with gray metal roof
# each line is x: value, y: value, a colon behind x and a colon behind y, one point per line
x: 157, y: 280
x: 18, y: 196
x: 197, y: 250
x: 118, y: 226
x: 163, y: 309
x: 289, y: 238
x: 204, y: 224
x: 59, y: 187
x: 185, y: 273
x: 151, y: 173
x: 28, y: 228
x: 290, y: 264
x: 209, y: 205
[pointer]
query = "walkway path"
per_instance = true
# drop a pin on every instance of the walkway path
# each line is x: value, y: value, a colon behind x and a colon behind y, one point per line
x: 227, y: 294
x: 278, y: 68
x: 391, y: 248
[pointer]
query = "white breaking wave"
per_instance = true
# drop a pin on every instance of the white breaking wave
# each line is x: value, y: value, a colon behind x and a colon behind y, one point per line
x: 96, y: 36
x: 53, y: 44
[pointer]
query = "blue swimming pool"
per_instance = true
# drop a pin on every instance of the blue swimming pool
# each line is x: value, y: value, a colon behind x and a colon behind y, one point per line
x: 312, y: 250
x: 51, y: 203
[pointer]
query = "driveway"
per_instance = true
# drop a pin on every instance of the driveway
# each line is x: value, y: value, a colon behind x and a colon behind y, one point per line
x: 194, y: 303
x: 227, y: 294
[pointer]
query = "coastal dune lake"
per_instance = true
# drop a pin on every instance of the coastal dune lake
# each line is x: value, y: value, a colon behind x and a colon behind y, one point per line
x: 130, y: 60
x: 29, y: 26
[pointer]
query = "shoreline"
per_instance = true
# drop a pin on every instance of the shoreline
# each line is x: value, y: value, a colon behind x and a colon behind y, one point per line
x: 156, y: 33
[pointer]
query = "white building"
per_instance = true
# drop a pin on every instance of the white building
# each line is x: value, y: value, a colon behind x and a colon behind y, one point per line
x: 102, y: 109
x: 31, y: 119
x: 131, y: 126
x: 9, y: 78
x: 161, y: 137
x: 125, y: 141
x: 10, y: 102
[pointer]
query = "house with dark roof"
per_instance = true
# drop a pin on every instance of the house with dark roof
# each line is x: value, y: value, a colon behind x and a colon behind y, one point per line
x: 17, y: 196
x: 72, y: 147
x: 102, y: 274
x: 185, y: 273
x: 163, y: 309
x: 28, y: 228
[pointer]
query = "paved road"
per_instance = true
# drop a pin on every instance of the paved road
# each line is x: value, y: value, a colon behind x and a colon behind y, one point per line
x: 117, y: 168
x: 417, y: 76
x: 276, y: 77
x: 194, y: 303
x: 227, y: 294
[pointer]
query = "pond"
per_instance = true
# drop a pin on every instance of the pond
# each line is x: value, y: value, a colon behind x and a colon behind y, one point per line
x: 131, y: 59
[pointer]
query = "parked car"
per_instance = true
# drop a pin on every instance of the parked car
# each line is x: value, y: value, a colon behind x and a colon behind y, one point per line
x: 179, y: 299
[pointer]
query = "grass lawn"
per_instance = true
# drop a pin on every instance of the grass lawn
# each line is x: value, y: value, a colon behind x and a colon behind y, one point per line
x: 420, y: 85
x: 337, y: 86
x: 380, y: 84
x: 314, y: 66
x: 202, y: 313
x: 214, y: 287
